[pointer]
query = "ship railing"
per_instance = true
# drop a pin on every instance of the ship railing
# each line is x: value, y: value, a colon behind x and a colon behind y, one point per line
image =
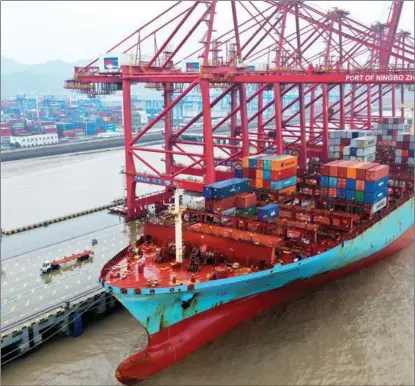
x: 113, y: 262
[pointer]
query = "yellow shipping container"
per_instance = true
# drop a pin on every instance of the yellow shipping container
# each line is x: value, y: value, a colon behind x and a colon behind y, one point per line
x: 283, y: 163
x: 290, y: 189
x: 259, y: 183
x: 351, y: 171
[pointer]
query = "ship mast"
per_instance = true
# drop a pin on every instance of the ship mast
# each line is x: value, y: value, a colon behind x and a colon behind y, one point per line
x: 178, y: 226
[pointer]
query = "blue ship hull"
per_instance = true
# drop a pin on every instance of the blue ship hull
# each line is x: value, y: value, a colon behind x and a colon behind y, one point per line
x: 162, y: 308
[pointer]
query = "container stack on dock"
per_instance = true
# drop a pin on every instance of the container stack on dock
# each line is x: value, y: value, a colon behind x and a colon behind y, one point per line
x: 354, y: 181
x: 271, y: 172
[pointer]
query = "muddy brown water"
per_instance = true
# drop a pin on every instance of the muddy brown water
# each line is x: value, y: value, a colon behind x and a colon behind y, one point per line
x: 355, y: 331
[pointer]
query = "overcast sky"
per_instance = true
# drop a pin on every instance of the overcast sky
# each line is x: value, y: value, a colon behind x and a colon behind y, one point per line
x: 38, y: 31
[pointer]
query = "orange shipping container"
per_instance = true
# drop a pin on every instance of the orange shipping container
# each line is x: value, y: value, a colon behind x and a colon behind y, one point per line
x: 342, y: 169
x: 259, y: 183
x: 352, y: 170
x: 259, y: 174
x: 289, y: 190
x: 283, y: 163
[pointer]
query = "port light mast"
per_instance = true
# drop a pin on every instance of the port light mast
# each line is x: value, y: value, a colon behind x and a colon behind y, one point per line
x: 321, y: 68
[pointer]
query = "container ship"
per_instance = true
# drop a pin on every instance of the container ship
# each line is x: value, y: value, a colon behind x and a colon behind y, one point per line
x: 260, y: 238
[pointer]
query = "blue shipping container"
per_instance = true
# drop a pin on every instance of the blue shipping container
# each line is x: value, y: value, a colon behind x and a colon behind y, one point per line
x: 341, y: 193
x: 333, y: 182
x: 324, y: 181
x: 267, y: 174
x: 227, y: 188
x: 238, y: 173
x: 351, y: 184
x: 353, y: 151
x: 279, y: 185
x: 350, y: 195
x: 268, y: 211
x: 373, y: 187
x: 252, y: 163
x: 371, y: 198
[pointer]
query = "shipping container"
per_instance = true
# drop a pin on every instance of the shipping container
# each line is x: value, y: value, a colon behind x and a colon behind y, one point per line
x: 373, y: 187
x: 268, y: 212
x: 226, y: 188
x: 359, y: 196
x: 376, y: 173
x: 351, y: 184
x: 278, y: 185
x: 246, y: 200
x: 332, y: 182
x: 350, y: 195
x: 220, y: 205
x: 277, y: 175
x: 238, y: 173
x: 371, y: 198
x: 360, y: 185
x: 289, y: 190
x: 266, y: 184
x: 324, y: 181
x: 246, y: 212
x: 382, y: 203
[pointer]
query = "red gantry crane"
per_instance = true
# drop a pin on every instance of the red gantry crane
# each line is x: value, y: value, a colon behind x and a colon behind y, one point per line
x: 246, y: 49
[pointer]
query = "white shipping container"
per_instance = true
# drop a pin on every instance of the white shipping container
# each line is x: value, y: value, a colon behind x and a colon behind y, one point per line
x: 346, y: 157
x: 366, y: 151
x: 377, y: 206
x: 346, y: 150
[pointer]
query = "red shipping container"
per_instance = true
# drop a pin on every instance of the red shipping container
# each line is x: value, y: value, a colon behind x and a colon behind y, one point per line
x: 278, y: 175
x: 260, y: 164
x: 325, y: 169
x: 252, y: 174
x: 332, y: 192
x: 377, y: 173
x: 219, y: 205
x: 405, y: 145
x: 245, y: 200
x: 399, y: 145
x: 245, y: 172
x: 266, y: 184
x: 342, y: 169
x: 324, y: 192
x: 405, y: 153
x: 6, y: 133
x: 341, y: 183
x: 361, y: 171
x: 360, y: 185
x: 252, y: 182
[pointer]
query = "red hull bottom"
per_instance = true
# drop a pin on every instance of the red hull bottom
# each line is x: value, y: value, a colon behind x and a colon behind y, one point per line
x: 173, y: 343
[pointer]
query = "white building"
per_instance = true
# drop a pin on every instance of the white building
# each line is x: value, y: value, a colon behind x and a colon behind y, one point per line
x: 34, y: 140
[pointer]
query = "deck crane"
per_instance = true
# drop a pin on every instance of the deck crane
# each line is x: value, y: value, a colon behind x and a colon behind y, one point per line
x: 256, y: 30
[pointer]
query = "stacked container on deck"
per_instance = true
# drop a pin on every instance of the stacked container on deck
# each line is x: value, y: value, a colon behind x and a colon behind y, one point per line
x: 361, y: 149
x: 354, y: 181
x: 222, y: 196
x: 394, y: 145
x: 271, y: 172
x: 340, y: 139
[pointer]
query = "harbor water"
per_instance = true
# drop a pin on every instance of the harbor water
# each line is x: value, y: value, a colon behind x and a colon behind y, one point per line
x: 355, y: 331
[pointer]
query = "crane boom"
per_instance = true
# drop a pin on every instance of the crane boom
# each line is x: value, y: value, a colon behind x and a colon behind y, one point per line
x: 392, y: 28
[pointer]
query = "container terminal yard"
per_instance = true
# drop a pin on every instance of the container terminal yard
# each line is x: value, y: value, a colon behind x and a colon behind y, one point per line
x: 342, y: 77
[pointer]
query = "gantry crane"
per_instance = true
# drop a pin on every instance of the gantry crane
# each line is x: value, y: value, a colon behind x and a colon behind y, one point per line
x: 278, y: 47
